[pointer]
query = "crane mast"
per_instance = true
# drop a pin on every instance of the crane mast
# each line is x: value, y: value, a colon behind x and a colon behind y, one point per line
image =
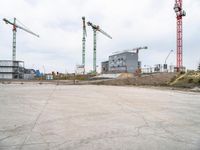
x: 95, y: 29
x: 14, y: 40
x: 15, y: 26
x: 83, y: 43
x: 179, y: 14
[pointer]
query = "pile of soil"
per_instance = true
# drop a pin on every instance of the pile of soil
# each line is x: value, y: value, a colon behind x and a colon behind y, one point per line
x: 158, y: 79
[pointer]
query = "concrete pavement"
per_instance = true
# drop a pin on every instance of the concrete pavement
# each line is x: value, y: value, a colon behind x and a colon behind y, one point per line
x: 90, y: 117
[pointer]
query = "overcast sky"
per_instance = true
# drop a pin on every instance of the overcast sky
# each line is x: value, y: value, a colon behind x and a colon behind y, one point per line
x: 131, y: 23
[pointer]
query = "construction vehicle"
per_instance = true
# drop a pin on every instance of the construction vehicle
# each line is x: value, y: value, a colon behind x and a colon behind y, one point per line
x: 95, y: 29
x: 83, y: 43
x: 15, y: 26
x: 180, y: 13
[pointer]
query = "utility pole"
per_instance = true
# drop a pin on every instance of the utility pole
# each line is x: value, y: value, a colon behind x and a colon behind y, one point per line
x: 179, y: 14
x: 95, y: 29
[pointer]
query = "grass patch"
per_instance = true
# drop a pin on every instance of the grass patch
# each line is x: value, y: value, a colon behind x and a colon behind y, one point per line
x: 189, y: 79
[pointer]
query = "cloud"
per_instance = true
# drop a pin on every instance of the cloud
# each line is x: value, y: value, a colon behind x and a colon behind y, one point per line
x: 131, y: 23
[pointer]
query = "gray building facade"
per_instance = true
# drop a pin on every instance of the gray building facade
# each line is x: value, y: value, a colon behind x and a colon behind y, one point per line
x: 121, y: 62
x: 11, y: 69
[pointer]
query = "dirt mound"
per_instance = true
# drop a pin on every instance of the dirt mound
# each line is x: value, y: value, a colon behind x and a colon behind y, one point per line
x: 157, y: 79
x: 125, y: 75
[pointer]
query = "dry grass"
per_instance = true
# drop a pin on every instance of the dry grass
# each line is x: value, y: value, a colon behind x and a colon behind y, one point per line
x: 189, y: 79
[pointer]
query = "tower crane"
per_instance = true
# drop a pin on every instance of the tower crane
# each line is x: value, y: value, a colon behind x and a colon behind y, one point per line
x: 15, y: 26
x: 83, y: 43
x: 130, y: 50
x: 95, y: 29
x: 180, y: 13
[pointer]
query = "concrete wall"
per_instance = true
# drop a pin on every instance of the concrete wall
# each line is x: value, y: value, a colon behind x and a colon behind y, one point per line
x: 6, y: 76
x: 6, y: 63
x: 132, y: 62
x: 29, y: 76
x: 11, y: 63
x: 6, y: 69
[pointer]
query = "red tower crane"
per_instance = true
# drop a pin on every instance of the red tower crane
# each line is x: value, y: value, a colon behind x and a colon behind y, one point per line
x: 179, y: 14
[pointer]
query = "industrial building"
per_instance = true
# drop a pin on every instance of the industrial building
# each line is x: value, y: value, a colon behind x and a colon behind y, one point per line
x: 121, y: 62
x: 15, y: 70
x: 11, y: 69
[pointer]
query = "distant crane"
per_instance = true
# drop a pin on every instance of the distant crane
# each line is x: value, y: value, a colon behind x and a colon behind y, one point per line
x: 130, y: 50
x: 95, y: 29
x: 165, y: 63
x: 15, y: 26
x: 83, y: 43
x: 179, y: 14
x: 168, y: 56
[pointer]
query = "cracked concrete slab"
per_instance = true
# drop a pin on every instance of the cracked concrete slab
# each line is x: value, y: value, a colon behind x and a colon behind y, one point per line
x: 90, y: 117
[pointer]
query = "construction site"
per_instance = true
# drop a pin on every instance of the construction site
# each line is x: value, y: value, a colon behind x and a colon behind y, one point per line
x: 125, y: 98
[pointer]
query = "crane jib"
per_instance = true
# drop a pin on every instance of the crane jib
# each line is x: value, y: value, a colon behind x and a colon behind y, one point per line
x: 17, y: 26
